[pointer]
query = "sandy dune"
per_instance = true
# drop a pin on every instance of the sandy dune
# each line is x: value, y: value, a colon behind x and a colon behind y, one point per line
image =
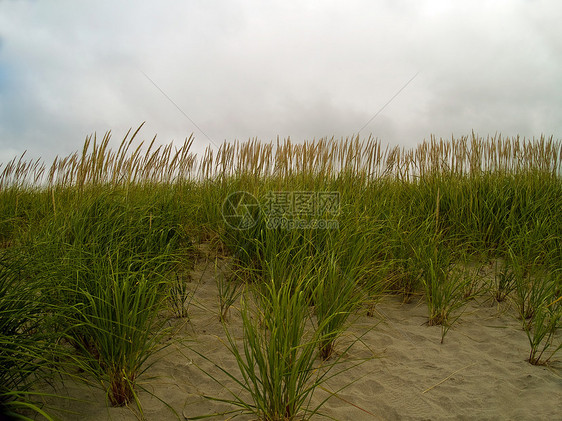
x: 479, y: 373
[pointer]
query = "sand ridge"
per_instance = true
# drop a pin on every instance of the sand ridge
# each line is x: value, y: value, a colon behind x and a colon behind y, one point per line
x: 478, y: 373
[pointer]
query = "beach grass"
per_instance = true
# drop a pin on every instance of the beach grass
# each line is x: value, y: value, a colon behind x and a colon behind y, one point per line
x: 96, y: 247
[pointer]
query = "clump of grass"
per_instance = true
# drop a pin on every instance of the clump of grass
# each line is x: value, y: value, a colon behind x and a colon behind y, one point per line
x: 403, y: 239
x: 444, y: 288
x: 545, y: 321
x: 229, y: 292
x: 277, y: 356
x: 112, y: 261
x: 295, y: 274
x: 277, y: 366
x: 504, y: 281
x: 180, y: 296
x: 446, y: 295
x: 117, y: 328
x: 336, y: 298
x: 540, y: 308
x: 29, y: 346
x: 474, y: 286
x: 539, y: 302
x: 529, y: 292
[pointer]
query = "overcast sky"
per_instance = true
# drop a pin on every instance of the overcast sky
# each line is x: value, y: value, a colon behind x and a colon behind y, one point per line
x: 241, y: 69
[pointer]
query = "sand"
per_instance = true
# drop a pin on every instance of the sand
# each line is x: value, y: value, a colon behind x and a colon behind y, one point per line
x: 478, y: 373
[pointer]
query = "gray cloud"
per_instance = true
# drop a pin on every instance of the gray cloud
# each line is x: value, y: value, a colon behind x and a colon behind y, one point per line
x: 244, y: 69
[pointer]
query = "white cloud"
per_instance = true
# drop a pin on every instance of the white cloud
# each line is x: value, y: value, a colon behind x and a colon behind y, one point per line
x: 304, y: 69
